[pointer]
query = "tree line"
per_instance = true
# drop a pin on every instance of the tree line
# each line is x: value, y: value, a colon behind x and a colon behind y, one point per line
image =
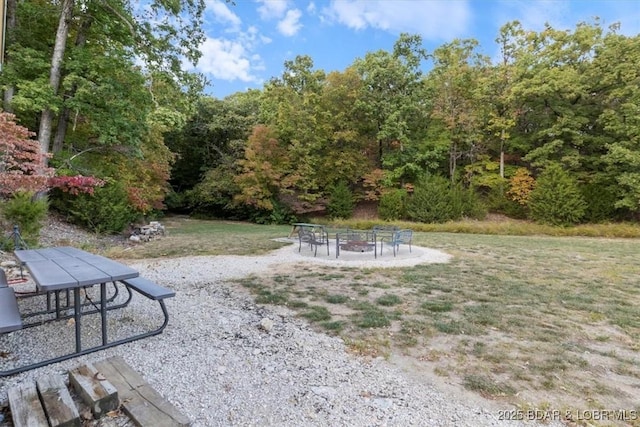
x: 549, y: 130
x: 562, y: 102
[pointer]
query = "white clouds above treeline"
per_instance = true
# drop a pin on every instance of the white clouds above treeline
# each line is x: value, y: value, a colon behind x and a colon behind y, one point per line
x: 242, y: 37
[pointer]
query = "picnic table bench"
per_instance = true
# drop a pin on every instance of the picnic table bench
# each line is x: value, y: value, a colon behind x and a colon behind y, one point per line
x: 9, y: 314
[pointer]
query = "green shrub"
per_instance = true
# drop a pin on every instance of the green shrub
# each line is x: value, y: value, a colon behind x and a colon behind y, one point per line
x: 467, y: 203
x: 497, y: 201
x: 177, y: 202
x: 341, y: 202
x: 601, y: 199
x: 27, y: 213
x: 431, y: 200
x: 280, y: 214
x: 556, y: 199
x: 106, y: 211
x: 435, y: 200
x: 392, y: 205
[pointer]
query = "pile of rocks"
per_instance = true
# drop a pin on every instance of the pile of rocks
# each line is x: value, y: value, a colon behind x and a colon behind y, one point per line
x: 11, y: 268
x: 145, y: 233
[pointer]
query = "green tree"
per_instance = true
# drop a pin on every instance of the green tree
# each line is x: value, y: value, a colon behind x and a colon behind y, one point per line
x: 262, y: 169
x: 453, y: 84
x: 496, y: 87
x: 617, y: 79
x: 432, y: 201
x: 392, y: 205
x: 556, y: 198
x: 341, y: 203
x: 559, y: 112
x: 388, y: 105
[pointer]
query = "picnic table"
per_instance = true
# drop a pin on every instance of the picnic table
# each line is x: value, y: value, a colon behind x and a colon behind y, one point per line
x: 63, y: 270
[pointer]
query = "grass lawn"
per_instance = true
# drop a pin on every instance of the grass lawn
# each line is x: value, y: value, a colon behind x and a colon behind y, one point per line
x: 542, y: 322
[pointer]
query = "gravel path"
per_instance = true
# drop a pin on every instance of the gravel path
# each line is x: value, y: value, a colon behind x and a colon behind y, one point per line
x: 218, y: 365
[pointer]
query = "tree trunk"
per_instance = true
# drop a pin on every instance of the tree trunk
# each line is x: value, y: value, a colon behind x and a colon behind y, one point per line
x: 11, y: 22
x: 46, y: 120
x: 453, y: 159
x: 502, y: 154
x: 63, y: 120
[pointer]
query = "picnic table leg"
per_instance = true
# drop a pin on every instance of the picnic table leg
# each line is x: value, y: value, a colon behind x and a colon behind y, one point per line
x: 77, y: 317
x: 57, y: 295
x: 103, y: 311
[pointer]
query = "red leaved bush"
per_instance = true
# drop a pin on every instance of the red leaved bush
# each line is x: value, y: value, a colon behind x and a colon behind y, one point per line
x: 22, y: 164
x: 75, y: 184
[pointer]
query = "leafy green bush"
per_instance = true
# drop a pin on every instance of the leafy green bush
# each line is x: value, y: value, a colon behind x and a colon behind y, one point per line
x: 177, y: 202
x: 27, y: 212
x: 435, y: 200
x: 392, y: 205
x: 497, y: 201
x: 106, y: 211
x: 341, y: 203
x: 280, y: 214
x: 556, y: 199
x: 431, y: 200
x: 467, y: 203
x: 601, y: 199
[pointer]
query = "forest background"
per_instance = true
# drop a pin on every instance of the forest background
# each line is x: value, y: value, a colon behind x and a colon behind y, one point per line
x: 549, y: 131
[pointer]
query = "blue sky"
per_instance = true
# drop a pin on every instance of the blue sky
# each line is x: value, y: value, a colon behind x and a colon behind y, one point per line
x: 249, y: 41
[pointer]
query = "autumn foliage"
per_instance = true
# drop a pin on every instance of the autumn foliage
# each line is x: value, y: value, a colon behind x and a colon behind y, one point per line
x: 75, y: 184
x: 522, y: 184
x: 22, y: 165
x: 261, y: 169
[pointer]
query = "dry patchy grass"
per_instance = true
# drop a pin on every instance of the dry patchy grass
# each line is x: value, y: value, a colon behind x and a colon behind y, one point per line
x: 542, y: 322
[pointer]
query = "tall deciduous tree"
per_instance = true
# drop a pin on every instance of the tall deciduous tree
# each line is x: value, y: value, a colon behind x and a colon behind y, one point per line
x: 293, y: 109
x: 55, y: 73
x: 560, y: 113
x: 159, y: 35
x: 390, y: 94
x: 454, y: 81
x: 263, y: 167
x: 616, y: 76
x: 497, y: 86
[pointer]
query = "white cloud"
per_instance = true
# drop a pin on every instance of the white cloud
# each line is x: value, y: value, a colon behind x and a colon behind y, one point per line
x: 311, y: 8
x: 533, y: 15
x: 434, y: 20
x: 228, y: 60
x: 223, y: 14
x: 272, y: 9
x: 290, y: 25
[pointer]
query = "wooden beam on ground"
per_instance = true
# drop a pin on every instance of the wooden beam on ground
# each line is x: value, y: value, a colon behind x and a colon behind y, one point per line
x: 94, y: 389
x: 26, y: 409
x: 57, y: 402
x: 141, y: 402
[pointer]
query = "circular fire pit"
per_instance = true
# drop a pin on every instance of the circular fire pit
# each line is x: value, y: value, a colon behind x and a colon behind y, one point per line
x: 357, y: 246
